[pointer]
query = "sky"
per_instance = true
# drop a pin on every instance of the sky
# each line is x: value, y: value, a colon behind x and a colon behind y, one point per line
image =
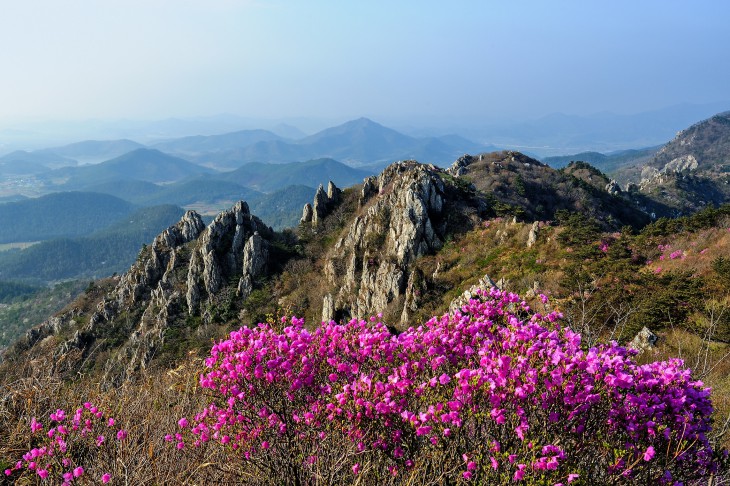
x: 408, y: 60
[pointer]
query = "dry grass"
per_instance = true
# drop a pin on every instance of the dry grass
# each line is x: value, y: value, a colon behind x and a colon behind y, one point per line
x: 148, y: 409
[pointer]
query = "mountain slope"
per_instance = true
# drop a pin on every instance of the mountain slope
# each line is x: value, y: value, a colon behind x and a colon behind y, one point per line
x: 215, y: 143
x: 142, y: 164
x: 360, y: 255
x: 63, y: 214
x: 98, y: 255
x: 92, y: 151
x: 516, y: 183
x: 690, y: 172
x: 271, y: 177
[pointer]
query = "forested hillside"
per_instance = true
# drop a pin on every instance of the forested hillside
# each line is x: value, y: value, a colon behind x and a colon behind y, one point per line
x: 100, y: 254
x: 65, y: 214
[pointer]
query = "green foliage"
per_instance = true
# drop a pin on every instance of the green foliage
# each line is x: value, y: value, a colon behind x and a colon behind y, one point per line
x: 580, y: 232
x: 666, y: 300
x: 259, y: 304
x: 15, y: 291
x: 282, y: 208
x: 721, y: 266
x: 706, y: 218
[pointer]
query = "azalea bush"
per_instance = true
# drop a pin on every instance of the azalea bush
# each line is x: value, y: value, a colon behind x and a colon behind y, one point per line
x: 68, y: 445
x: 493, y: 394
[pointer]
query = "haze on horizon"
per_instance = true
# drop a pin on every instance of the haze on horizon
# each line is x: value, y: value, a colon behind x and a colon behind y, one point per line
x: 412, y: 61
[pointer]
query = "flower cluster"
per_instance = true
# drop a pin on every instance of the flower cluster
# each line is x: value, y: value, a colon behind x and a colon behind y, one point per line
x: 495, y: 393
x: 70, y: 439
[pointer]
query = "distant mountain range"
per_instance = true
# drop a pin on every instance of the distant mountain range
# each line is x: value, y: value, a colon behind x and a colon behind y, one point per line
x: 271, y: 177
x: 20, y: 163
x: 214, y: 143
x: 607, y: 163
x: 360, y: 142
x: 559, y: 133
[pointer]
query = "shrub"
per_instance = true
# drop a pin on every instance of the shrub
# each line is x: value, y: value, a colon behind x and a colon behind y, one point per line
x: 493, y: 394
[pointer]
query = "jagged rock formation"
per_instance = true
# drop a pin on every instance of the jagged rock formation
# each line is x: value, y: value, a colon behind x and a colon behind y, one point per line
x: 369, y: 264
x: 307, y: 214
x: 146, y: 273
x: 323, y: 204
x: 187, y: 266
x: 219, y: 254
x: 644, y: 340
x: 255, y: 260
x: 613, y: 187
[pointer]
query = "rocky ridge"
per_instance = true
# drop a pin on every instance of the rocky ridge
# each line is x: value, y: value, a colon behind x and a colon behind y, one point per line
x: 690, y: 172
x: 181, y: 274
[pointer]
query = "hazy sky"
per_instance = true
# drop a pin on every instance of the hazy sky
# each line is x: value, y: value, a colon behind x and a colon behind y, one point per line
x: 151, y: 59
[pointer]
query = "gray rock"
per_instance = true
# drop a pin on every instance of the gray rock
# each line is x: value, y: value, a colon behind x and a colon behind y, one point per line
x: 532, y: 235
x: 644, y: 340
x: 255, y: 256
x: 245, y: 287
x: 307, y: 214
x: 369, y: 263
x: 333, y: 193
x: 679, y: 164
x: 369, y: 188
x: 459, y: 167
x: 320, y: 205
x: 485, y: 284
x: 613, y: 188
x: 328, y: 308
x: 219, y: 253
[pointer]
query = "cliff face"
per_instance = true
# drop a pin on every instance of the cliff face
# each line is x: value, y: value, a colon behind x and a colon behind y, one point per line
x: 400, y: 220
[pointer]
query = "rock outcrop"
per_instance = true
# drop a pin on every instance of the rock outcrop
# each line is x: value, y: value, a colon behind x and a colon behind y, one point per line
x: 613, y: 188
x: 644, y: 340
x: 399, y: 221
x: 219, y: 253
x: 532, y: 235
x: 322, y: 205
x: 307, y: 214
x: 485, y: 284
x: 255, y: 261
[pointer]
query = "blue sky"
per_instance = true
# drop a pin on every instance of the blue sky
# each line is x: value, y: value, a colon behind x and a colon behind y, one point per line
x: 409, y: 60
